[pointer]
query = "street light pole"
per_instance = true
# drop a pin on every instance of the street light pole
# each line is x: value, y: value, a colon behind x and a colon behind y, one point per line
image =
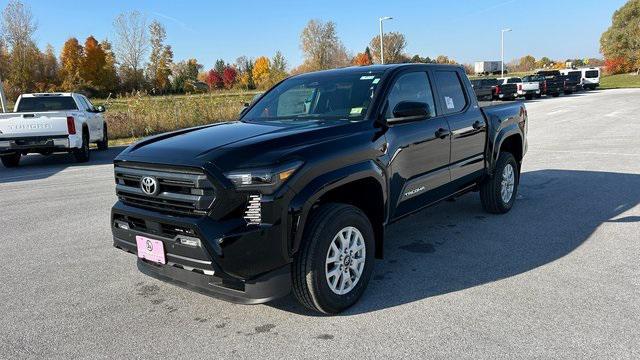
x: 381, y: 37
x: 502, y: 50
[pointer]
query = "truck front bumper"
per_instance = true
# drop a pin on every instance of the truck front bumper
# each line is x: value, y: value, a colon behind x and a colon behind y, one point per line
x: 230, y: 260
x: 34, y: 144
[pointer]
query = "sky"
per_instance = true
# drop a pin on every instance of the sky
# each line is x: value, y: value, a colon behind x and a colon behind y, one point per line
x: 466, y: 31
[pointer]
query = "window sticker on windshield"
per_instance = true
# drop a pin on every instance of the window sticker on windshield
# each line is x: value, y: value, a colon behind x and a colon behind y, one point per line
x: 356, y: 111
x: 367, y: 77
x: 375, y: 81
x: 449, y: 102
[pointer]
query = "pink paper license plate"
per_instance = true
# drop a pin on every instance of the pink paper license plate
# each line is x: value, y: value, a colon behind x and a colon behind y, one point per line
x: 150, y: 249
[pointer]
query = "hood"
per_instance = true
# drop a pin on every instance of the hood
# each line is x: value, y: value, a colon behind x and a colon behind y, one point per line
x: 228, y: 144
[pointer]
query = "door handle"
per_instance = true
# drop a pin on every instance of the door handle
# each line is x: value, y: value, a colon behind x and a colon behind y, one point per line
x: 478, y: 125
x: 442, y: 133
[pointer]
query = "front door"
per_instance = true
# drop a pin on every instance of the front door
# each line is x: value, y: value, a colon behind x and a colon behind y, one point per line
x: 418, y: 150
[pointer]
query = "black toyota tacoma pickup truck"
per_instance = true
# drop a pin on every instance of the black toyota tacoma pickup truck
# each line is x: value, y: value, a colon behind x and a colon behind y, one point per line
x: 296, y: 194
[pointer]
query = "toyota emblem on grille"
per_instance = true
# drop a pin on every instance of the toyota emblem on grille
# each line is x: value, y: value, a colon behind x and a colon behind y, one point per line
x: 149, y: 185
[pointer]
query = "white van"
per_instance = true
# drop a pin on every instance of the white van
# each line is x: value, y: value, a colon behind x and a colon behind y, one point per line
x: 590, y: 77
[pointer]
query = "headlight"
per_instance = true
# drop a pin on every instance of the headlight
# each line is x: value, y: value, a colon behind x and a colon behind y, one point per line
x: 264, y: 180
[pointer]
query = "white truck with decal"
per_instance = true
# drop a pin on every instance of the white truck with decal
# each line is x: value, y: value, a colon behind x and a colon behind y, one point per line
x: 51, y: 122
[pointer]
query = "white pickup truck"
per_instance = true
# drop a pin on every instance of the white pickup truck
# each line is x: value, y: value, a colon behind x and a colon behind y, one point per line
x: 51, y: 122
x: 526, y: 89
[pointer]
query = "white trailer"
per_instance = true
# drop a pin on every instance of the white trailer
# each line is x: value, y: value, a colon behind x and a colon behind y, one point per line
x: 487, y: 67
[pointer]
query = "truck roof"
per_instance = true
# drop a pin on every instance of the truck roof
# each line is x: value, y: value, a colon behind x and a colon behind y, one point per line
x: 376, y: 68
x: 48, y: 94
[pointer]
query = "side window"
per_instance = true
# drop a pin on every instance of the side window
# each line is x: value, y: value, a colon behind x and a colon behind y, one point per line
x: 89, y: 104
x: 82, y: 103
x: 452, y: 98
x: 413, y: 86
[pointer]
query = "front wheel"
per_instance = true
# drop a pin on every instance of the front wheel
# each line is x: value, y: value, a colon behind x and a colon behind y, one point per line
x: 498, y: 192
x: 334, y: 264
x: 11, y: 160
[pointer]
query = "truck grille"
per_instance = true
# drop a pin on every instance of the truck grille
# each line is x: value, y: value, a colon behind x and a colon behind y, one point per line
x: 182, y: 191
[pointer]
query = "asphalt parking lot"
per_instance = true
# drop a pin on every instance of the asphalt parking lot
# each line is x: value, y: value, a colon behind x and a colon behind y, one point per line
x: 557, y: 277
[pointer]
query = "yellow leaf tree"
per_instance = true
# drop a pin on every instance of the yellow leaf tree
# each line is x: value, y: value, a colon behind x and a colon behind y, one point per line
x: 71, y: 60
x: 261, y: 71
x: 93, y: 63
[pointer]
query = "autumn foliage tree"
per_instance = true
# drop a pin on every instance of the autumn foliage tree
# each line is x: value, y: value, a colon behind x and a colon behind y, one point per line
x: 620, y: 44
x: 394, y: 44
x: 229, y: 75
x: 160, y: 60
x: 214, y: 80
x: 70, y: 63
x: 92, y: 64
x: 321, y: 47
x: 363, y: 58
x: 261, y: 70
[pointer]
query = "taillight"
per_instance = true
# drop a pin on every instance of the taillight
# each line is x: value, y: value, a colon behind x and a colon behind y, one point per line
x: 71, y: 125
x: 497, y: 89
x: 519, y: 87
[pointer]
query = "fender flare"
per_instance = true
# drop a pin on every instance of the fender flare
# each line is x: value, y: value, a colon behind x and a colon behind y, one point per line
x: 302, y: 203
x: 503, y: 134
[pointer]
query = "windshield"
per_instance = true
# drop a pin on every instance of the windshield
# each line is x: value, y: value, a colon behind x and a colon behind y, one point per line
x: 319, y: 96
x: 58, y: 103
x: 514, y: 80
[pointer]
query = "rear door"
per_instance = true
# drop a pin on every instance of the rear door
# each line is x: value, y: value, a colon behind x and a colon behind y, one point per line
x: 467, y: 124
x: 419, y: 149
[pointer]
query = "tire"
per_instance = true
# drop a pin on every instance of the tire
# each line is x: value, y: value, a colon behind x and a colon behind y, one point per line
x: 528, y: 97
x: 491, y: 189
x: 310, y: 275
x: 104, y: 143
x: 555, y: 94
x: 11, y: 160
x: 538, y: 96
x: 82, y: 154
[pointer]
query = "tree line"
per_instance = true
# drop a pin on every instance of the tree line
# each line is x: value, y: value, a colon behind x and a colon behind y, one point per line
x: 139, y: 59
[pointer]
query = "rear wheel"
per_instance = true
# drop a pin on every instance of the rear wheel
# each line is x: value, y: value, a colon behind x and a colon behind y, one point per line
x: 104, y: 143
x: 498, y: 192
x: 82, y: 154
x: 528, y: 97
x: 555, y: 94
x: 11, y: 160
x: 334, y: 264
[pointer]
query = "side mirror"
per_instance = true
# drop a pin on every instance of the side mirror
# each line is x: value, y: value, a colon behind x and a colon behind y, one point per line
x: 100, y: 108
x: 409, y: 110
x: 245, y: 107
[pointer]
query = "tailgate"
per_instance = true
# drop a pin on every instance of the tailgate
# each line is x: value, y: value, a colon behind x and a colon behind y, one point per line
x: 33, y: 124
x: 530, y: 86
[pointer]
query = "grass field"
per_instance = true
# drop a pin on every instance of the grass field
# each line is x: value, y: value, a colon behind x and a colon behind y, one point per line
x: 620, y: 81
x: 143, y: 115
